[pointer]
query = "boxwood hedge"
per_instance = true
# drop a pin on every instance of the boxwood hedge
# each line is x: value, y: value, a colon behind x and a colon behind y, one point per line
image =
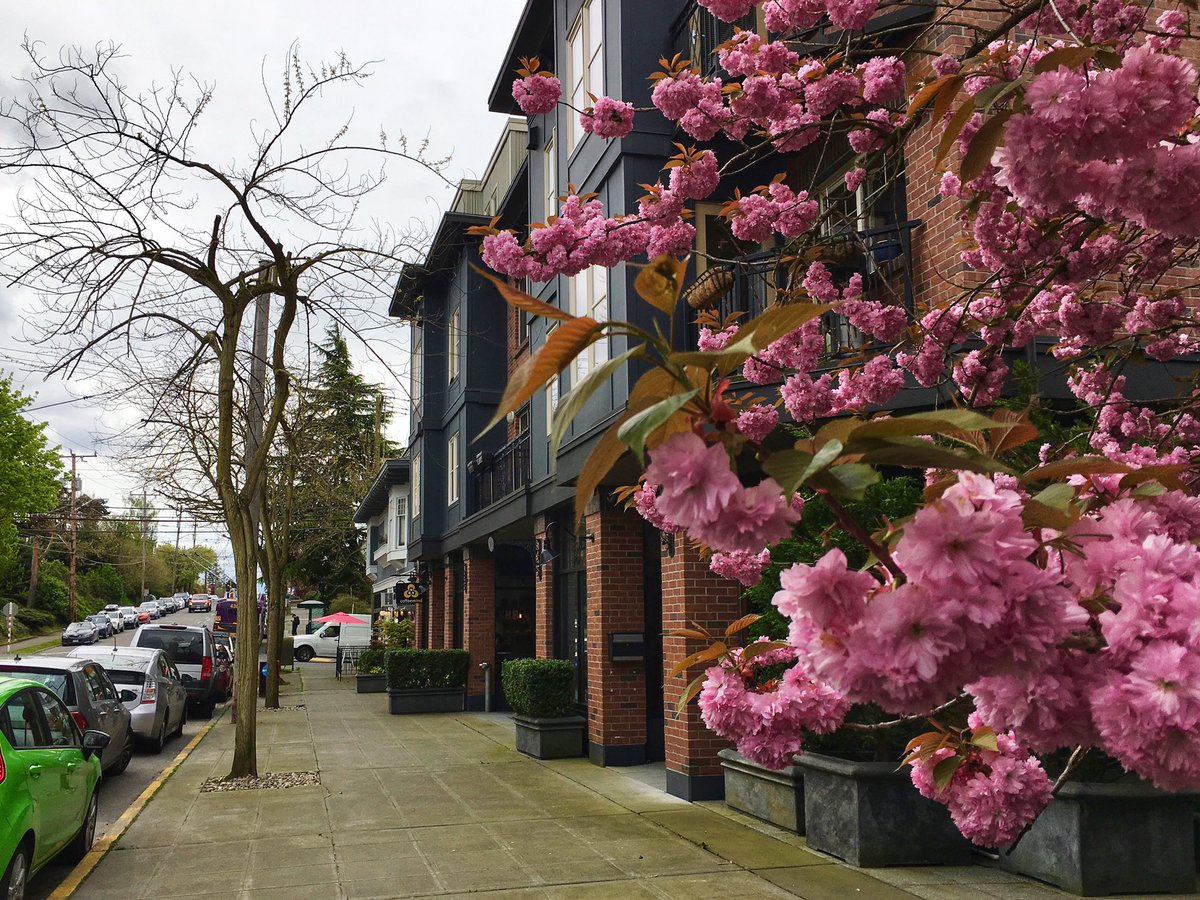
x: 539, y: 688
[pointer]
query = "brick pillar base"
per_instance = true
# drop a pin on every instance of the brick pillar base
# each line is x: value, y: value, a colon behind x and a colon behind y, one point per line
x: 543, y: 599
x: 616, y: 690
x: 420, y: 623
x: 691, y: 593
x: 479, y: 631
x: 435, y: 602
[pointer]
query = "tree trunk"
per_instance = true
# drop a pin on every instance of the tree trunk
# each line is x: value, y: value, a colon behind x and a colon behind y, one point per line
x: 245, y: 740
x: 275, y: 589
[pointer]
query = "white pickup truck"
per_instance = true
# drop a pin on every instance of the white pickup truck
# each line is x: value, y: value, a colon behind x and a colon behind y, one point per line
x: 326, y: 640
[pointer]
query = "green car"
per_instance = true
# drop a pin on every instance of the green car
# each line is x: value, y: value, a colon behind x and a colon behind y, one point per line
x: 49, y: 773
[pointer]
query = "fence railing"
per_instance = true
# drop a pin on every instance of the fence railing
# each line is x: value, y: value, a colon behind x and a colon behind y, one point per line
x: 499, y: 474
x: 696, y: 33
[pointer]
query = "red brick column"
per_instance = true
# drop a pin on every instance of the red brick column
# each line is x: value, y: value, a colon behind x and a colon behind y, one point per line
x: 691, y: 593
x: 479, y: 631
x: 543, y: 598
x: 435, y: 602
x: 616, y: 690
x: 446, y: 577
x: 420, y: 618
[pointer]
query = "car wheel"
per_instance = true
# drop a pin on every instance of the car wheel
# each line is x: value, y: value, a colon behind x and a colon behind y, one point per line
x: 122, y: 762
x: 206, y: 707
x: 159, y: 740
x: 304, y: 654
x: 82, y: 842
x: 12, y: 887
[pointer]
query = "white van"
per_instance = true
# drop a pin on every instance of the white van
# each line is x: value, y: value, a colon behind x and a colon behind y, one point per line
x: 326, y: 640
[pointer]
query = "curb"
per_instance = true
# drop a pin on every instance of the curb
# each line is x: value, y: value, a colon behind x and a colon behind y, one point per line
x: 100, y: 848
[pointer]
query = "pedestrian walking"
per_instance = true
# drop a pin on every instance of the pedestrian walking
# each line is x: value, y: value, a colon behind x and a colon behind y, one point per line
x: 295, y: 624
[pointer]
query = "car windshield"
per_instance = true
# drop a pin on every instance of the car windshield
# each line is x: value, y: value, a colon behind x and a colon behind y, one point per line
x: 184, y: 647
x: 59, y: 682
x: 80, y: 626
x: 147, y: 605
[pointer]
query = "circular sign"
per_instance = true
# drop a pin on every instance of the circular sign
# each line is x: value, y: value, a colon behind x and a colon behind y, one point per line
x: 491, y: 544
x: 412, y: 592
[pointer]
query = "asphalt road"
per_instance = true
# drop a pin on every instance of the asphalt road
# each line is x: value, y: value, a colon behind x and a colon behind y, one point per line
x: 119, y: 791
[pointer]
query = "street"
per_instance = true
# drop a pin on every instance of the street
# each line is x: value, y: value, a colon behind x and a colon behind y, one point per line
x: 117, y: 793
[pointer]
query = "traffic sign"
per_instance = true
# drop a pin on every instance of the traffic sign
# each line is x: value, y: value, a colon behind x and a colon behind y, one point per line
x: 10, y: 610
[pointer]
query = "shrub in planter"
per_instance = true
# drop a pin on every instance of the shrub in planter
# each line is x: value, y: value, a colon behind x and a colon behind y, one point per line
x: 426, y: 680
x: 371, y: 677
x: 540, y: 691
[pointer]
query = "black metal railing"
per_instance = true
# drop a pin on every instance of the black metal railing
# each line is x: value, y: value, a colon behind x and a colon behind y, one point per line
x: 499, y: 474
x: 696, y: 33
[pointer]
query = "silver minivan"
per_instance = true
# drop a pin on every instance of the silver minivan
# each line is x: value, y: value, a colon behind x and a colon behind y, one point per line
x: 159, y: 709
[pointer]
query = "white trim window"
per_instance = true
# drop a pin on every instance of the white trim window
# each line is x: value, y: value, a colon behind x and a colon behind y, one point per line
x: 452, y: 469
x: 401, y: 522
x: 585, y: 65
x: 453, y: 342
x: 589, y: 297
x: 550, y: 190
x: 415, y: 372
x: 415, y: 480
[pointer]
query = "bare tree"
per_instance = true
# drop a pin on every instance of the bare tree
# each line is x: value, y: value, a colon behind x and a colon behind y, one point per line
x: 137, y: 243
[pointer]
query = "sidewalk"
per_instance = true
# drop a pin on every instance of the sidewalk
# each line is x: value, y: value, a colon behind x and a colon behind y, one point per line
x: 413, y: 806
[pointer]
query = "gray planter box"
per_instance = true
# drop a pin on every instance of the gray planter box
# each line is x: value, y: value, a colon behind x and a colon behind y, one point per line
x: 869, y: 814
x: 371, y: 684
x: 1124, y: 838
x: 425, y: 700
x: 775, y: 797
x: 550, y: 738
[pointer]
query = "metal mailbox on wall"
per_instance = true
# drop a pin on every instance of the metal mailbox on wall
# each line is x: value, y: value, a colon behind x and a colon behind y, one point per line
x: 626, y: 646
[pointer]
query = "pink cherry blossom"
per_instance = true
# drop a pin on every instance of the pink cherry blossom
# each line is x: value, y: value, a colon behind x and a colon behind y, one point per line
x: 537, y: 94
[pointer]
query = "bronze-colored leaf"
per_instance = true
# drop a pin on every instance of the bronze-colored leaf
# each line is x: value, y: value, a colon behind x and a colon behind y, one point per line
x: 603, y: 457
x: 1077, y: 465
x: 708, y: 654
x: 689, y: 692
x: 945, y: 86
x: 954, y: 128
x: 661, y: 282
x: 741, y: 624
x: 1071, y: 57
x: 522, y: 300
x: 983, y: 146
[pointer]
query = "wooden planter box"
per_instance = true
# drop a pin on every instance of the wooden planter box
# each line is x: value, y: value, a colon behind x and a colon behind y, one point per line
x: 371, y: 684
x: 775, y: 797
x: 869, y: 814
x: 550, y: 738
x: 425, y: 700
x: 1121, y: 838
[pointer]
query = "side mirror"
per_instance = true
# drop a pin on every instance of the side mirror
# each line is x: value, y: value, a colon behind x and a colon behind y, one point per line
x: 94, y: 742
x: 128, y: 696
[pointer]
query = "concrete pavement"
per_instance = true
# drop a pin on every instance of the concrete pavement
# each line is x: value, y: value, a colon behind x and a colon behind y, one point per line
x: 443, y: 805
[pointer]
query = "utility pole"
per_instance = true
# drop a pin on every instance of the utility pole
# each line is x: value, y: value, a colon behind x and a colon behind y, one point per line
x: 142, y: 534
x: 175, y: 561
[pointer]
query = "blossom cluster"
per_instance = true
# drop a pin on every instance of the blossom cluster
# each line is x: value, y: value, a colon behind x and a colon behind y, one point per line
x: 767, y: 720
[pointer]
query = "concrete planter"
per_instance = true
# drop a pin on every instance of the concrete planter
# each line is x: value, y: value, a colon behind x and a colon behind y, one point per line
x: 775, y: 797
x: 371, y: 684
x: 1098, y: 839
x: 550, y: 738
x: 869, y: 814
x: 425, y: 700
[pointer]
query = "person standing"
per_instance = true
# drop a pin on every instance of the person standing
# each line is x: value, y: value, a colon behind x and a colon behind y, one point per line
x: 295, y: 624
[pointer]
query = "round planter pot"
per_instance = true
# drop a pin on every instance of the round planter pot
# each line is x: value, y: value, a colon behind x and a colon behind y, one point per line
x: 1121, y: 838
x: 869, y: 814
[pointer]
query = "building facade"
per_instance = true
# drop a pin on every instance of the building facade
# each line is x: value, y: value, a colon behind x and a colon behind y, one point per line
x: 384, y: 512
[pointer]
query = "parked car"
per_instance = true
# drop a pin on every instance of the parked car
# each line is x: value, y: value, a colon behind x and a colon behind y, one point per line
x: 151, y: 608
x: 104, y: 626
x: 115, y: 617
x: 159, y: 709
x: 80, y: 633
x: 90, y: 696
x: 191, y: 649
x: 227, y: 640
x: 200, y: 603
x: 49, y: 771
x: 326, y: 640
x: 130, y: 614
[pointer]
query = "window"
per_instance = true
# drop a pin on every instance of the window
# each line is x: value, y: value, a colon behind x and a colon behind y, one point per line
x: 551, y: 403
x: 415, y: 371
x: 452, y: 468
x: 21, y: 722
x: 415, y: 479
x: 585, y: 64
x: 401, y: 521
x: 550, y: 178
x: 589, y: 297
x: 60, y: 728
x: 452, y: 342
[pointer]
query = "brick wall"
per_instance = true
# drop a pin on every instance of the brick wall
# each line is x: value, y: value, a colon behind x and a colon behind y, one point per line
x: 616, y: 690
x: 691, y: 593
x: 543, y: 599
x: 479, y: 610
x: 421, y: 626
x: 447, y: 580
x: 435, y: 602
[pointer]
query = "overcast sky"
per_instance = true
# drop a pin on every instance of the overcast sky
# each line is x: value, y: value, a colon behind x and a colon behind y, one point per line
x: 436, y: 62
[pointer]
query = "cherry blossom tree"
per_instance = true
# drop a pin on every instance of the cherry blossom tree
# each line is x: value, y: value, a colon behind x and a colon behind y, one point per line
x: 1056, y: 604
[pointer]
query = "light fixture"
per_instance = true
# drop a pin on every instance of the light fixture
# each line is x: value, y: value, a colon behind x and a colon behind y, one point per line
x: 668, y: 542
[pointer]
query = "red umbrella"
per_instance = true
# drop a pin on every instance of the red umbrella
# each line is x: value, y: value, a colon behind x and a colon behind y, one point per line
x: 342, y: 618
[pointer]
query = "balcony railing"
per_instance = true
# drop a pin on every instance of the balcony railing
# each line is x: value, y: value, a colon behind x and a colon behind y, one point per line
x: 500, y: 474
x: 696, y: 33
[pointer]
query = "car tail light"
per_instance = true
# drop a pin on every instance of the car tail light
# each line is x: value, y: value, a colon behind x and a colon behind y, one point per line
x: 206, y: 668
x: 79, y: 720
x: 149, y: 690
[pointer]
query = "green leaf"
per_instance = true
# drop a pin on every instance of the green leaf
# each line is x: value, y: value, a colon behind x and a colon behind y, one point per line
x: 753, y: 336
x: 1035, y: 514
x: 1071, y: 57
x: 824, y: 458
x: 689, y: 692
x: 788, y: 467
x: 1056, y: 496
x: 570, y: 405
x: 954, y: 128
x: 914, y: 453
x: 985, y: 737
x: 849, y: 481
x: 942, y: 421
x: 1077, y: 465
x: 944, y: 770
x: 635, y: 431
x: 983, y: 146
